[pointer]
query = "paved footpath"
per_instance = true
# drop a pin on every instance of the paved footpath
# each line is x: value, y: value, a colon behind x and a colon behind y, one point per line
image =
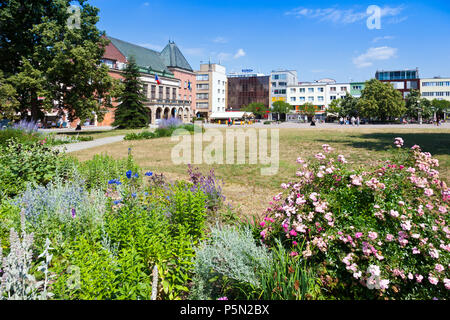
x: 73, y: 147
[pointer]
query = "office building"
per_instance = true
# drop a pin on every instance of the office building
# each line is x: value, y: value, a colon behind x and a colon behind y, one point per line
x: 435, y: 88
x: 246, y: 88
x: 279, y: 82
x: 402, y: 80
x: 211, y: 89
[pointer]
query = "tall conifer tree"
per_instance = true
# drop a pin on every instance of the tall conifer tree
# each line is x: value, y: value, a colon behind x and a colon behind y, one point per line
x: 131, y: 112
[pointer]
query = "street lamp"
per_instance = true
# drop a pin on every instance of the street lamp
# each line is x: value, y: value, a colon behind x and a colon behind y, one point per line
x: 419, y: 115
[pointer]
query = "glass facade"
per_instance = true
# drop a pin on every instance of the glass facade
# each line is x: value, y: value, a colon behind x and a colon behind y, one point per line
x: 397, y: 75
x: 245, y: 90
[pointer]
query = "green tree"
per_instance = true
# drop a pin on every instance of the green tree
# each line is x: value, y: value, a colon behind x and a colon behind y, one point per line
x: 440, y: 107
x: 131, y: 112
x: 349, y: 106
x: 308, y: 109
x: 44, y: 54
x: 257, y: 108
x: 8, y: 101
x: 380, y: 100
x: 334, y: 109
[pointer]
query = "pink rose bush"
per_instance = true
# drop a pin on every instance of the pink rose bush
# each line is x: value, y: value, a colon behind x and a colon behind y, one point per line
x: 382, y: 232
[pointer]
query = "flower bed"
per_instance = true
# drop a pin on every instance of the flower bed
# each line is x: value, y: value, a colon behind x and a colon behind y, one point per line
x: 378, y: 233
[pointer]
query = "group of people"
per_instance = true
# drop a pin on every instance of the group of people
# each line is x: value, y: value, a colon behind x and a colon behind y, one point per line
x: 353, y: 121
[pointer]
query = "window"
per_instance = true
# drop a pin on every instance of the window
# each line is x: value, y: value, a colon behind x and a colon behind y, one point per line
x: 202, y: 96
x: 332, y: 97
x: 174, y: 93
x: 357, y: 88
x: 203, y: 86
x: 282, y: 84
x: 302, y: 99
x: 320, y: 98
x: 293, y: 99
x: 275, y: 77
x: 218, y: 90
x: 310, y: 90
x: 293, y: 90
x: 218, y: 82
x: 301, y: 90
x: 320, y: 89
x: 311, y: 99
x: 109, y: 63
x: 202, y: 77
x: 161, y: 90
x: 344, y: 89
x: 333, y: 89
x: 167, y: 93
x: 274, y: 84
x: 145, y: 89
x: 153, y: 92
x: 185, y: 84
x: 202, y: 105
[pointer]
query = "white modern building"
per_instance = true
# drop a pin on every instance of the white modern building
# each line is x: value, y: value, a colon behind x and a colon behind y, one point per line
x: 280, y: 80
x: 435, y: 88
x: 211, y: 89
x: 319, y: 93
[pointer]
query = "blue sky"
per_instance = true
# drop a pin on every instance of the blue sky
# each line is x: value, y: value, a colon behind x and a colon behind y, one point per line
x: 319, y: 39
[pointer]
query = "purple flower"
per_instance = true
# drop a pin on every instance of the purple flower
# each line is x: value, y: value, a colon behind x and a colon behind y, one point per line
x: 74, y: 213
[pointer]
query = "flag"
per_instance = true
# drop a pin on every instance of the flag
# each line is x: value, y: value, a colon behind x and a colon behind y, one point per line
x: 189, y: 85
x: 156, y: 79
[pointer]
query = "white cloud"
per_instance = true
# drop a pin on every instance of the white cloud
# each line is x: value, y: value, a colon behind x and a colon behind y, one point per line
x: 220, y: 40
x: 374, y: 54
x: 382, y: 38
x: 146, y: 4
x: 344, y: 16
x: 239, y: 53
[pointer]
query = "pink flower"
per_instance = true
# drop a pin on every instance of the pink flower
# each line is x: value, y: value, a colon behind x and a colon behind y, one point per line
x: 373, y: 235
x: 358, y: 235
x: 434, y: 253
x: 394, y: 213
x: 439, y: 267
x: 447, y: 283
x: 293, y: 233
x: 294, y: 253
x: 341, y: 159
x: 300, y: 160
x: 262, y: 223
x: 433, y: 280
x: 389, y: 237
x: 428, y: 192
x: 294, y: 243
x: 419, y: 278
x: 415, y: 250
x: 320, y: 156
x: 442, y: 209
x: 398, y: 142
x: 327, y: 148
x: 263, y: 234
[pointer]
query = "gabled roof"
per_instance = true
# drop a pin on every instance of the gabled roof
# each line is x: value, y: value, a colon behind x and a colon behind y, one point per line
x: 145, y: 58
x: 172, y: 57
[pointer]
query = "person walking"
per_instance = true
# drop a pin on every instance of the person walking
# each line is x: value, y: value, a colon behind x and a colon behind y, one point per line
x: 353, y: 121
x: 358, y: 121
x: 341, y: 121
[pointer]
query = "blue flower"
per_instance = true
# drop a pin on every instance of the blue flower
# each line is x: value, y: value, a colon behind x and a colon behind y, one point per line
x: 117, y: 202
x: 146, y: 193
x: 133, y: 195
x: 113, y: 181
x: 149, y: 174
x: 136, y: 175
x: 128, y: 174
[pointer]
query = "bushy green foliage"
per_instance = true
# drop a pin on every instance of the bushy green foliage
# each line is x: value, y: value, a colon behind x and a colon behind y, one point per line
x: 102, y: 168
x: 375, y: 233
x: 140, y: 136
x: 6, y: 135
x: 34, y: 163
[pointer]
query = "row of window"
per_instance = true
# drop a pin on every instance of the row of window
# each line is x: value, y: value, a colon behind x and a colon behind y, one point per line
x: 280, y: 84
x: 436, y: 94
x: 312, y: 90
x: 310, y: 99
x: 169, y: 94
x: 279, y: 77
x: 436, y: 84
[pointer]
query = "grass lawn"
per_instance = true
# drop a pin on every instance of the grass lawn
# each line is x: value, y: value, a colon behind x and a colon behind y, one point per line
x: 248, y: 191
x: 100, y: 133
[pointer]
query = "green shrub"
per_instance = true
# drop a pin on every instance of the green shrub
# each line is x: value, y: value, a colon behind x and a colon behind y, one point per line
x: 34, y: 163
x: 379, y: 233
x: 102, y: 168
x: 140, y: 136
x: 230, y: 263
x: 19, y: 136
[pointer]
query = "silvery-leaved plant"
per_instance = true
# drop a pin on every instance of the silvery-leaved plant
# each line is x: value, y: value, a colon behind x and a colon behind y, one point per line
x: 16, y: 281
